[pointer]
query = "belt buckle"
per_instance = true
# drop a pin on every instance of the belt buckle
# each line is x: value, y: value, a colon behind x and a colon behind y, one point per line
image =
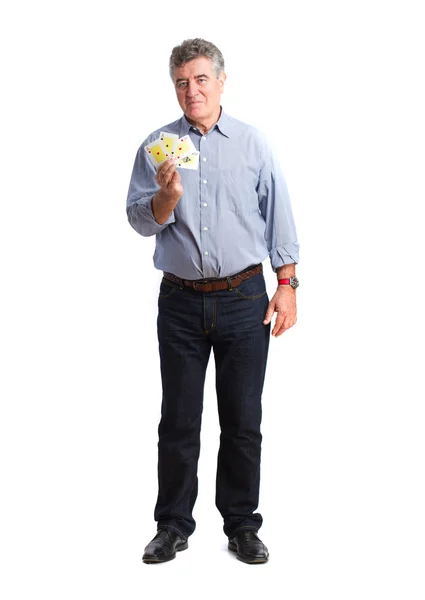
x: 196, y: 283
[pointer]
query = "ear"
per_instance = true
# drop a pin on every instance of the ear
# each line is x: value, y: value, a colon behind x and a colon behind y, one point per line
x: 222, y: 79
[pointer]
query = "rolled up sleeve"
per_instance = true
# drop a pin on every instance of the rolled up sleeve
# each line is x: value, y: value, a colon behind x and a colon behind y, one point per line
x: 142, y: 189
x: 275, y: 206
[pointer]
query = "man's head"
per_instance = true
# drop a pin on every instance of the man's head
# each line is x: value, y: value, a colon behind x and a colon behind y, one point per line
x: 197, y: 71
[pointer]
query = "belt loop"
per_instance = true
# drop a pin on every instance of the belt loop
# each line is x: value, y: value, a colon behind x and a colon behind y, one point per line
x: 229, y: 281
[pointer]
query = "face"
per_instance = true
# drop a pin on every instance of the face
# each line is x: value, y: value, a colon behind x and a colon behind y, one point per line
x: 198, y: 89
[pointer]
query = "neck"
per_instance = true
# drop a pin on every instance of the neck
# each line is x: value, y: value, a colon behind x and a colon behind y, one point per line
x: 205, y: 125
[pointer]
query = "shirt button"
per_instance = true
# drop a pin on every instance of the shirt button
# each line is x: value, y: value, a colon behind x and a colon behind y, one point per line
x: 206, y: 252
x: 203, y: 137
x: 205, y: 203
x: 205, y: 228
x: 204, y: 159
x: 205, y: 181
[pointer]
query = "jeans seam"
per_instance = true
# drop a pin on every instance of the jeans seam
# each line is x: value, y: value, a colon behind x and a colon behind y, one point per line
x: 250, y: 297
x: 172, y: 290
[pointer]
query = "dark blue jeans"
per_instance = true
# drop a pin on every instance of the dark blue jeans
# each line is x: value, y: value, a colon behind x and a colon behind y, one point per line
x: 190, y: 323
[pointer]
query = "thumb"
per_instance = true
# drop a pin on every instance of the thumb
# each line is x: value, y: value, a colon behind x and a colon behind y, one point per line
x: 269, y: 314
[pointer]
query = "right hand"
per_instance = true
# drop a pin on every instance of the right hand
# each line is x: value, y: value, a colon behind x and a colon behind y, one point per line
x: 168, y: 179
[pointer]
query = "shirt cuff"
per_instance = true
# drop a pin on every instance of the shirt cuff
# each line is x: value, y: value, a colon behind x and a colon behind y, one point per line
x: 284, y: 255
x: 143, y: 209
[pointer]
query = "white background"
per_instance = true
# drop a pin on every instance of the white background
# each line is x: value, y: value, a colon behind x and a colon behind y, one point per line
x: 338, y: 87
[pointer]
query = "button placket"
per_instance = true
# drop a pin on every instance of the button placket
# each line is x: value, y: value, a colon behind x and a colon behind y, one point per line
x: 205, y: 223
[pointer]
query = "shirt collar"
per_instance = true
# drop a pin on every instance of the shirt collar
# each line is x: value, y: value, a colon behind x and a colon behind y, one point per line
x: 223, y: 124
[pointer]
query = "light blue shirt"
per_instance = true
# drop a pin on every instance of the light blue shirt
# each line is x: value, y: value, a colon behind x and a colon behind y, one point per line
x: 235, y: 209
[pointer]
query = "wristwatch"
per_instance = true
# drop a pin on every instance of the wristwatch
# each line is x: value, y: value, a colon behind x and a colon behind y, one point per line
x: 292, y: 281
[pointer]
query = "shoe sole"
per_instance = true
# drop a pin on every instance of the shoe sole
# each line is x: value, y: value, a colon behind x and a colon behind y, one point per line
x: 153, y: 560
x: 254, y: 561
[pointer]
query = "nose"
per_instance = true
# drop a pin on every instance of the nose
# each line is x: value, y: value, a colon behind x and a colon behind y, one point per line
x: 192, y: 89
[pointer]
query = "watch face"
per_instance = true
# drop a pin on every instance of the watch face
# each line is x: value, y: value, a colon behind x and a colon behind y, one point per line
x: 294, y: 282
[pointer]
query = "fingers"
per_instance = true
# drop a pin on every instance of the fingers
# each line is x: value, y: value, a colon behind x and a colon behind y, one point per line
x: 176, y: 177
x: 163, y: 167
x: 166, y: 172
x: 269, y: 313
x: 279, y: 323
x: 286, y: 323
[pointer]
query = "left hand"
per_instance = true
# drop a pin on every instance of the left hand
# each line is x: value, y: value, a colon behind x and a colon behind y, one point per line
x: 285, y: 304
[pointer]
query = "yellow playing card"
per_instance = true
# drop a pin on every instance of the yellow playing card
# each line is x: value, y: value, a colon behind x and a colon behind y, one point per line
x: 168, y: 140
x: 189, y: 162
x: 183, y: 147
x: 156, y: 152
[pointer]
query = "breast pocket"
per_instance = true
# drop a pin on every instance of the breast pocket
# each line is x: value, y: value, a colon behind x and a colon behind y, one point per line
x: 239, y: 189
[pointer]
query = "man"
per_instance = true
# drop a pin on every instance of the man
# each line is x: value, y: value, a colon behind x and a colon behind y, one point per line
x: 214, y: 226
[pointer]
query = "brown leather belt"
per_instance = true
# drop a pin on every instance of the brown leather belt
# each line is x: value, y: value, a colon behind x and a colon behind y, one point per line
x: 214, y: 285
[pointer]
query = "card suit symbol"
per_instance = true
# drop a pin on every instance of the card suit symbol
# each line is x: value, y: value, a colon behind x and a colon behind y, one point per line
x: 158, y: 153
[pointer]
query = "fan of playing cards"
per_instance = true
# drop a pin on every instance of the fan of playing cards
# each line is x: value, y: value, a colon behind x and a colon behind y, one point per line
x: 170, y: 145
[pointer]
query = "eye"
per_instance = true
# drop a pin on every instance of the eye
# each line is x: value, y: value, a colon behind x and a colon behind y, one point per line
x: 202, y: 80
x: 182, y: 84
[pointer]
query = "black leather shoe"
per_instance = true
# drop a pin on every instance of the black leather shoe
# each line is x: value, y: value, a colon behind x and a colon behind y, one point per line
x: 249, y: 548
x: 164, y: 546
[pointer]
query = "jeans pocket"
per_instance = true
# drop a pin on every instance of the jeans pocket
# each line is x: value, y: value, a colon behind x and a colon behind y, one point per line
x: 167, y: 288
x: 253, y: 288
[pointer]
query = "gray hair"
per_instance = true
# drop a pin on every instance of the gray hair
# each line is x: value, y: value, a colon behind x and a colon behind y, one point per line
x: 190, y: 49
